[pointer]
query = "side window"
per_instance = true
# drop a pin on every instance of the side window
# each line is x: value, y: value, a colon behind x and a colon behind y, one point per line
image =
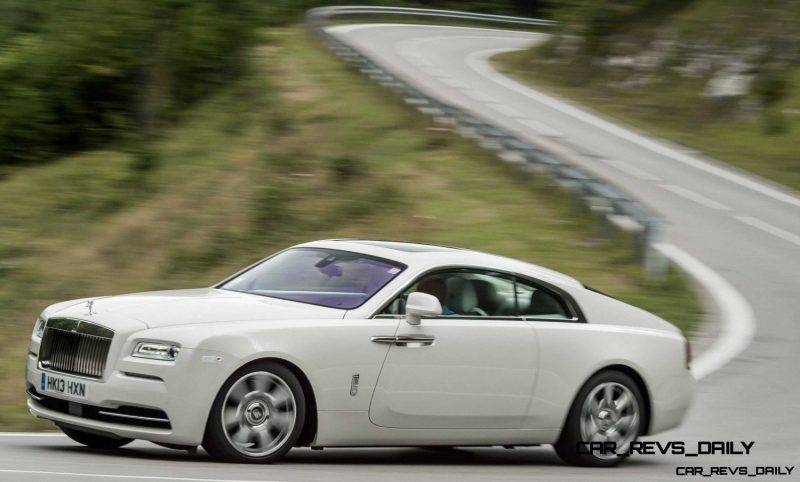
x: 536, y: 302
x: 463, y: 292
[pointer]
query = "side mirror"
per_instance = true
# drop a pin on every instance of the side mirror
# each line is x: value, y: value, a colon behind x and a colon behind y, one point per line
x: 421, y: 305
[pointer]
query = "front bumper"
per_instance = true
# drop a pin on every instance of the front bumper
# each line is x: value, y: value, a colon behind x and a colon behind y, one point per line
x: 183, y: 390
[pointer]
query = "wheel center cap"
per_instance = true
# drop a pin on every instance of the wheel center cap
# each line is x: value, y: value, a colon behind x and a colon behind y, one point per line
x: 256, y: 412
x: 606, y: 418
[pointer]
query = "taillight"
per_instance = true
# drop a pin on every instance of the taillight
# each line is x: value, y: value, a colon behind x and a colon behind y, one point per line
x: 688, y: 353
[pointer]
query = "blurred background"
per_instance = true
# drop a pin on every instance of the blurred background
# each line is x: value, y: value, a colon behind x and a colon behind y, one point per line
x: 165, y: 144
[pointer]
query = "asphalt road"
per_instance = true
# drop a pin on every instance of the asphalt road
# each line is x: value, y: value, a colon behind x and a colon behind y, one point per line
x: 40, y: 458
x: 741, y: 229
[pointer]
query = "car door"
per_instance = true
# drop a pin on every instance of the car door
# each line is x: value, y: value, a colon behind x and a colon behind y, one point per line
x: 473, y: 367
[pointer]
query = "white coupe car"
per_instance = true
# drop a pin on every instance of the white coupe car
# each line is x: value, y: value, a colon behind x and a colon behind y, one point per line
x: 362, y: 343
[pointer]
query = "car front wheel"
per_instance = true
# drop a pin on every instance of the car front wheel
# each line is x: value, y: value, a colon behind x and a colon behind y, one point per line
x: 257, y: 416
x: 606, y: 417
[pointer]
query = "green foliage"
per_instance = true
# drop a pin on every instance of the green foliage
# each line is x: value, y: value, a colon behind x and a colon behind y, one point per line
x: 76, y: 74
x: 597, y: 20
x: 272, y: 211
x: 365, y: 203
x: 346, y: 168
x: 774, y: 122
x: 771, y: 86
x: 145, y: 160
x: 17, y: 17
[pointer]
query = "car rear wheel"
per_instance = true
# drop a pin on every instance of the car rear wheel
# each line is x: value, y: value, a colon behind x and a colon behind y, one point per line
x: 258, y: 415
x: 95, y: 441
x: 609, y: 411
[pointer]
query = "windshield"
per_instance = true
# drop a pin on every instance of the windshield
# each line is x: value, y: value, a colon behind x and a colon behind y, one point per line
x: 326, y: 277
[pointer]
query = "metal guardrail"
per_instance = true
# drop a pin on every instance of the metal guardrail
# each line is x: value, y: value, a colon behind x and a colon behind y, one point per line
x: 324, y: 13
x: 611, y: 205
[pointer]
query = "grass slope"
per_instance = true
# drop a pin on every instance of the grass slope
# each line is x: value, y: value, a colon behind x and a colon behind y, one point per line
x: 314, y: 152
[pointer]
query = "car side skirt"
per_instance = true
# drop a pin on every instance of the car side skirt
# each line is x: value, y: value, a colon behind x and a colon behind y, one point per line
x: 349, y: 429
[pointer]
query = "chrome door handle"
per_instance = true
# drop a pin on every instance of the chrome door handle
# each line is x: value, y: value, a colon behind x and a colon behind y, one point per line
x: 411, y: 341
x: 414, y: 340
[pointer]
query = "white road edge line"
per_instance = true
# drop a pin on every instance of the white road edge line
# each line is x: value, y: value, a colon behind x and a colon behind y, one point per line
x: 695, y: 197
x: 131, y: 477
x: 738, y: 324
x: 768, y: 228
x: 479, y: 62
x: 32, y: 434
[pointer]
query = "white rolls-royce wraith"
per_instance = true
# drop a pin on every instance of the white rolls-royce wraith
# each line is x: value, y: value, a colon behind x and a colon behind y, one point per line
x: 362, y: 343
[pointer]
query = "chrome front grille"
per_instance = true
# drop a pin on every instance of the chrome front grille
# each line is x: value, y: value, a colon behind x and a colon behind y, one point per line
x: 75, y: 347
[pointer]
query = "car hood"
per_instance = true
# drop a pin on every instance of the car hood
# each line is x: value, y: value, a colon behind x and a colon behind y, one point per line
x: 205, y: 305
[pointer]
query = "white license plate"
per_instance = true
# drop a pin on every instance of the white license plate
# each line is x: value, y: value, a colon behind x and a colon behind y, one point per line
x: 63, y: 386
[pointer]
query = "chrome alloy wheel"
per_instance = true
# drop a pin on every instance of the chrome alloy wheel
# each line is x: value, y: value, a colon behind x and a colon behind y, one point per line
x: 258, y: 414
x: 610, y: 414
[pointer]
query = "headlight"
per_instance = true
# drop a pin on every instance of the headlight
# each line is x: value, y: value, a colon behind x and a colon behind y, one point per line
x: 156, y: 350
x: 38, y: 331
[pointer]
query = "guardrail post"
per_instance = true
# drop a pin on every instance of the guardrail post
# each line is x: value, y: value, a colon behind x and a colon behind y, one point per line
x: 655, y: 263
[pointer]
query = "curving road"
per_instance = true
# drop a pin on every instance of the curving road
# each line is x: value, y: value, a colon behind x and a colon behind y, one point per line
x: 738, y: 234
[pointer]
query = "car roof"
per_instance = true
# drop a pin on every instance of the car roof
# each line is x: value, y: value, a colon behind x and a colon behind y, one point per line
x: 420, y: 256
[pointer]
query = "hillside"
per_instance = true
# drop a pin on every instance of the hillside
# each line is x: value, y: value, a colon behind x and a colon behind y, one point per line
x: 315, y: 152
x: 719, y: 76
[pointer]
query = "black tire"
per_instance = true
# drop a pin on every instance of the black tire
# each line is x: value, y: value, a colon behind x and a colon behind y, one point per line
x: 95, y: 441
x: 439, y: 448
x: 216, y: 440
x: 567, y: 446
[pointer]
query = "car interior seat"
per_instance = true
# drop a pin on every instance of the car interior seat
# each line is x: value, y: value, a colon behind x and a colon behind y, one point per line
x: 461, y: 296
x: 544, y: 304
x: 488, y: 298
